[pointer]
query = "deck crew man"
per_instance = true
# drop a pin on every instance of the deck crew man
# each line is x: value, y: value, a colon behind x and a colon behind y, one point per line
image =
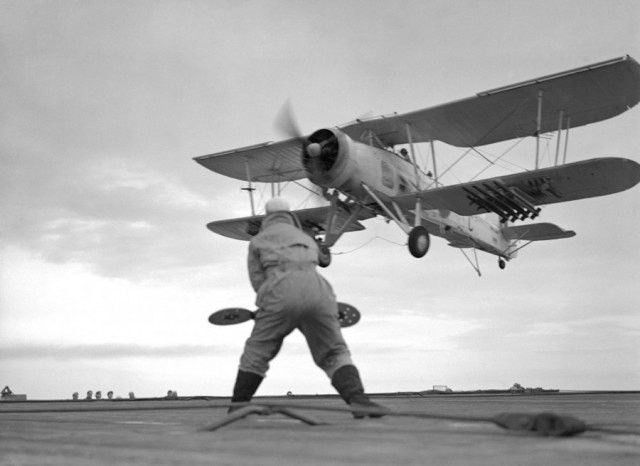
x: 291, y: 295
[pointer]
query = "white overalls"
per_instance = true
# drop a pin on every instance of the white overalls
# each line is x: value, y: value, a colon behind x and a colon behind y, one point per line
x: 291, y: 294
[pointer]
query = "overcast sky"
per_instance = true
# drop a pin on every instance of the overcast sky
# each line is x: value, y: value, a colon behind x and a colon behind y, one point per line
x: 108, y: 273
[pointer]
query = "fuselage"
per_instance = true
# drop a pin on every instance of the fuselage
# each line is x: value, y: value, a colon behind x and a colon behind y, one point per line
x: 347, y: 165
x: 483, y: 232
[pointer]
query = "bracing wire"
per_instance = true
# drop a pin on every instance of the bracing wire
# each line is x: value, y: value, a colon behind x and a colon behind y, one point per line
x: 306, y: 199
x: 498, y: 158
x: 366, y: 243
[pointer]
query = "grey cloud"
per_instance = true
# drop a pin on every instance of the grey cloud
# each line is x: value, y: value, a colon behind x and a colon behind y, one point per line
x: 115, y: 231
x: 96, y: 143
x: 109, y: 351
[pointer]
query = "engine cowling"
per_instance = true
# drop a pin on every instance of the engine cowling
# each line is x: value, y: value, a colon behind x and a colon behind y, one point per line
x: 332, y: 159
x: 326, y: 159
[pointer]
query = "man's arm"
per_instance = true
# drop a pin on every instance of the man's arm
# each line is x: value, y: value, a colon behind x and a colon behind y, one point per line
x: 257, y: 273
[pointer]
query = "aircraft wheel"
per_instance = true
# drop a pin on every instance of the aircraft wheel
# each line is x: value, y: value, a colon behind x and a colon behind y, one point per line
x: 418, y: 241
x: 324, y: 258
x: 502, y: 264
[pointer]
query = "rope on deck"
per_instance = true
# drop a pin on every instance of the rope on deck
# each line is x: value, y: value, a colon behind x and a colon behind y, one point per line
x: 545, y: 423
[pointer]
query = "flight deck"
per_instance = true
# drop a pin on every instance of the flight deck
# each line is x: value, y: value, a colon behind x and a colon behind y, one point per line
x: 421, y: 429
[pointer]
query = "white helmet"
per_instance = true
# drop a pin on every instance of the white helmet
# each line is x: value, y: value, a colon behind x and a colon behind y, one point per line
x: 277, y: 204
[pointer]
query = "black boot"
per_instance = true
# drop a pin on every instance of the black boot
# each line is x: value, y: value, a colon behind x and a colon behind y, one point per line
x: 347, y: 381
x: 247, y: 384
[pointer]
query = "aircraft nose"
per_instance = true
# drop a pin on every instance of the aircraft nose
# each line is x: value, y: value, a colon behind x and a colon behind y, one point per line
x: 314, y: 149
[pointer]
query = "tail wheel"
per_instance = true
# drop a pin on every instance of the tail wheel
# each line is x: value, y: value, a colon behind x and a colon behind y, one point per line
x: 418, y: 241
x: 501, y: 263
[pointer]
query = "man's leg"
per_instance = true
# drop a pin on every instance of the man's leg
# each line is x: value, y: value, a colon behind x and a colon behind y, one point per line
x: 346, y: 380
x: 330, y: 352
x: 322, y: 331
x: 269, y: 331
x: 246, y: 385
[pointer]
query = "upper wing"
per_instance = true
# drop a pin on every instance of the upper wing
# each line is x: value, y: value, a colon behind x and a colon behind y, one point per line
x: 270, y: 162
x: 311, y: 219
x: 516, y: 196
x: 584, y: 95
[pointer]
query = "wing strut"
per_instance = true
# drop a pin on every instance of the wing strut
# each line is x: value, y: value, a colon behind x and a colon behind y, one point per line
x: 538, y: 124
x: 433, y: 159
x: 559, y: 136
x: 566, y: 140
x: 560, y: 116
x: 249, y: 188
x: 414, y: 160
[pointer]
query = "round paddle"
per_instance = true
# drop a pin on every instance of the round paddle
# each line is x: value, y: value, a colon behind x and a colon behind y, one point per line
x: 347, y: 315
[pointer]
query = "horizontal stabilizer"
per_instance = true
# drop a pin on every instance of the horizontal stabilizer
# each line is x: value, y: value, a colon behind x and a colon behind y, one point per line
x: 537, y: 232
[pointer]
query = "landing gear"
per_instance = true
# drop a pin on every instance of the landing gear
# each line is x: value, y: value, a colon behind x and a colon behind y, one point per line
x: 418, y: 241
x: 324, y: 258
x: 501, y: 263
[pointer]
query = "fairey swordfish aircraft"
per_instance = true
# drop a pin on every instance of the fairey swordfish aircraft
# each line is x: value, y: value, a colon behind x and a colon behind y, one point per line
x: 358, y: 170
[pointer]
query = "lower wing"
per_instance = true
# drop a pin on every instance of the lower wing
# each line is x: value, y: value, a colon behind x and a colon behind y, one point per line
x: 312, y: 220
x: 516, y: 197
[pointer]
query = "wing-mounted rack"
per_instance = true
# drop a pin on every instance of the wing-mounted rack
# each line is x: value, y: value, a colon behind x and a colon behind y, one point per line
x: 509, y: 202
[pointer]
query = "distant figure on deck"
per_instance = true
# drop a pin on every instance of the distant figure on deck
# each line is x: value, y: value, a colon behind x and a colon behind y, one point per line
x: 291, y: 295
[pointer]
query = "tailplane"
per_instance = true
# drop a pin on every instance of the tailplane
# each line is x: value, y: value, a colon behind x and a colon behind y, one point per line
x: 536, y: 232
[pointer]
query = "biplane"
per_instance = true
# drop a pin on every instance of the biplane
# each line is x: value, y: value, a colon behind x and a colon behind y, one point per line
x: 362, y: 174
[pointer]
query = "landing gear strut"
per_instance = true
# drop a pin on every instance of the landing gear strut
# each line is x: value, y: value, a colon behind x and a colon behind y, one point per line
x: 418, y: 241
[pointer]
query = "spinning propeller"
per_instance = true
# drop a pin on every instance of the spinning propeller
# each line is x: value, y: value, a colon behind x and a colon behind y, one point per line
x: 286, y: 123
x: 317, y: 151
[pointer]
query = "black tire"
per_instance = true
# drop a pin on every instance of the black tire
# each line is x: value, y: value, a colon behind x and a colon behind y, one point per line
x: 419, y: 241
x: 324, y: 258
